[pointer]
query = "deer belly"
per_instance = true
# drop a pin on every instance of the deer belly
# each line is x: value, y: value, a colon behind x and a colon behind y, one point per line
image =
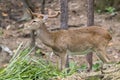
x: 81, y: 52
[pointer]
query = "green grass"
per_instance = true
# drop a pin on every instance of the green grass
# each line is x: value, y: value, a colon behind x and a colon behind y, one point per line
x: 23, y: 67
x: 108, y: 9
x: 1, y: 32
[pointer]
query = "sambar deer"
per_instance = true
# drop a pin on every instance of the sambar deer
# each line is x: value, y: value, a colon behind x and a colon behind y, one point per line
x: 78, y: 41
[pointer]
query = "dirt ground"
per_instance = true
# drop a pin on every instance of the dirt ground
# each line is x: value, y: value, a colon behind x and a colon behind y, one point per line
x: 14, y: 33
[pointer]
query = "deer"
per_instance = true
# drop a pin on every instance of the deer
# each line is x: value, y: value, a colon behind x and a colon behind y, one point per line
x: 78, y: 41
x: 41, y: 16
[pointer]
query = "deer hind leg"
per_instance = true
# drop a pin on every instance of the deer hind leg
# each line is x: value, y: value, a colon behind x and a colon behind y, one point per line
x: 102, y: 54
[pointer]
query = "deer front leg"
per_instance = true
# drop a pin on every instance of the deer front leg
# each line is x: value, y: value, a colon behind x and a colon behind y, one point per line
x: 90, y: 61
x: 63, y: 61
x: 32, y: 34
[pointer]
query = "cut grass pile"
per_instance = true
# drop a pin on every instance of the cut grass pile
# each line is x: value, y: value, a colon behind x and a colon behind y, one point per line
x: 24, y: 67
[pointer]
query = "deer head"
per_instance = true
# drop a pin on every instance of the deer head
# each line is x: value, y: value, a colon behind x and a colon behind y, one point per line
x: 40, y: 19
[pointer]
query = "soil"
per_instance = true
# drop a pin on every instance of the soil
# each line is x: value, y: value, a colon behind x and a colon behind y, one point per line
x: 13, y: 33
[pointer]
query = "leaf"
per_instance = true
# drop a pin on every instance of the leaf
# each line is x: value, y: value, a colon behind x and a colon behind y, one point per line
x: 4, y: 14
x: 38, y: 51
x: 96, y: 66
x: 83, y: 66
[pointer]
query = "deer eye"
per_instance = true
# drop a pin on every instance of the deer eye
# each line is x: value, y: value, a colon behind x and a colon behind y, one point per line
x: 34, y: 21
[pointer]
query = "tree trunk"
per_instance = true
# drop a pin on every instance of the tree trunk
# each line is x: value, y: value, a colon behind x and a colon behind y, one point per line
x: 43, y: 6
x: 64, y: 20
x: 90, y: 22
x: 64, y: 14
x: 32, y: 43
x: 27, y: 4
x: 90, y: 13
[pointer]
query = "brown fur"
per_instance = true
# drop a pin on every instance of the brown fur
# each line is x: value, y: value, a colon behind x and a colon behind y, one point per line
x: 83, y: 40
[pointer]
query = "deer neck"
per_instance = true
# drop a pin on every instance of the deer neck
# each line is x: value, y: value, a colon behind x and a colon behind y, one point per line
x: 45, y: 36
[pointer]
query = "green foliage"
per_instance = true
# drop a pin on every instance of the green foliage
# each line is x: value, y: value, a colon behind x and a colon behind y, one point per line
x: 106, y: 6
x: 83, y: 67
x: 96, y: 66
x: 93, y: 78
x: 99, y: 11
x: 1, y: 32
x: 38, y: 51
x: 110, y: 9
x: 107, y: 10
x: 23, y: 67
x: 73, y: 68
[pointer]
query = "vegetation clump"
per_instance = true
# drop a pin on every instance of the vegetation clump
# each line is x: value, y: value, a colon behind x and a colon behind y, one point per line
x: 24, y: 67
